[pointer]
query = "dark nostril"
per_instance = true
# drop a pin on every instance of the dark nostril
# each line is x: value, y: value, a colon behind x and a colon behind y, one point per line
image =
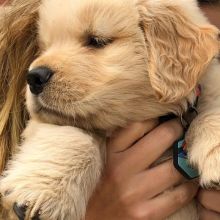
x: 37, y: 78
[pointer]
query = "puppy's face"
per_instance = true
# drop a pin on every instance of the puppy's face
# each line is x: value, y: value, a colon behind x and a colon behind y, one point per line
x: 98, y: 64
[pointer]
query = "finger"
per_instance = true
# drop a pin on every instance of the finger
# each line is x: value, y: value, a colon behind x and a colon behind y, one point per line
x: 205, y: 214
x: 210, y: 199
x: 145, y: 182
x: 124, y: 138
x: 146, y: 151
x: 171, y: 201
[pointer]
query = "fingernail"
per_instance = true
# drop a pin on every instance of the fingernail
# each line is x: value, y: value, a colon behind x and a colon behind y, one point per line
x: 20, y: 211
x: 37, y: 216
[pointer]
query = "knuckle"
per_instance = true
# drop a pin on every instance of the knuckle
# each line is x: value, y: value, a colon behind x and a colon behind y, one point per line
x: 206, y: 205
x: 137, y: 214
x: 203, y: 200
x: 181, y: 197
x: 138, y: 129
x: 140, y: 213
x: 126, y: 198
x: 141, y: 128
x: 149, y: 214
x: 125, y: 203
x: 169, y: 131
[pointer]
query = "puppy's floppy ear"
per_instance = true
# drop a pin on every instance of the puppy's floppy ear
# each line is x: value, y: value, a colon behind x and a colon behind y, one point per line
x: 179, y: 51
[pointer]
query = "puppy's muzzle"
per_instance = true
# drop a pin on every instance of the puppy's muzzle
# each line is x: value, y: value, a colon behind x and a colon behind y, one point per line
x: 37, y: 79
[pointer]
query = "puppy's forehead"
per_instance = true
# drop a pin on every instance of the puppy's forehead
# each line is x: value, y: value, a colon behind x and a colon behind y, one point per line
x: 82, y: 15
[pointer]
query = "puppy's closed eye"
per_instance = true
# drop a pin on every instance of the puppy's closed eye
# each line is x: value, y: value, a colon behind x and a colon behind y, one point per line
x: 98, y: 42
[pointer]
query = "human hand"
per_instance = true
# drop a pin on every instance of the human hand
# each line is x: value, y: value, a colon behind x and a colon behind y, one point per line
x: 2, y: 1
x: 130, y: 189
x: 210, y: 204
x: 212, y: 11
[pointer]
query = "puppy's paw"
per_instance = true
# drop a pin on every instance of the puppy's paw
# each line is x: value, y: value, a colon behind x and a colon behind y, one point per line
x: 28, y: 201
x: 210, y: 170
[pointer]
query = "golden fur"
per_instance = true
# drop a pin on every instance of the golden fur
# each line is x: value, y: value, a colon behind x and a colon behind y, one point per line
x: 157, y: 51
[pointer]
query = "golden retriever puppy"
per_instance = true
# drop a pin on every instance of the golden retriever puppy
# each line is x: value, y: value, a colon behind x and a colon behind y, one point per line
x: 94, y: 66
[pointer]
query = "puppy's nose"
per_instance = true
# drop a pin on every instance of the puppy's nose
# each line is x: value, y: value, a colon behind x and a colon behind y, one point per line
x: 37, y: 78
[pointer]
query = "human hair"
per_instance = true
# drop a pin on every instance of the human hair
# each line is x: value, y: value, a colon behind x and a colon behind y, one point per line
x: 17, y: 49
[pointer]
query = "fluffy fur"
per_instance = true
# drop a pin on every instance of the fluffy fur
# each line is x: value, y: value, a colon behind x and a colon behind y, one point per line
x: 157, y: 51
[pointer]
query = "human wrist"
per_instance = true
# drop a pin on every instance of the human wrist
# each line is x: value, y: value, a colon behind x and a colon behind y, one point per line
x: 212, y: 11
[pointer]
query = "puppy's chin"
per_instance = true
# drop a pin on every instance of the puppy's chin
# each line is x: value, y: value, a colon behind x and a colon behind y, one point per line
x: 39, y: 110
